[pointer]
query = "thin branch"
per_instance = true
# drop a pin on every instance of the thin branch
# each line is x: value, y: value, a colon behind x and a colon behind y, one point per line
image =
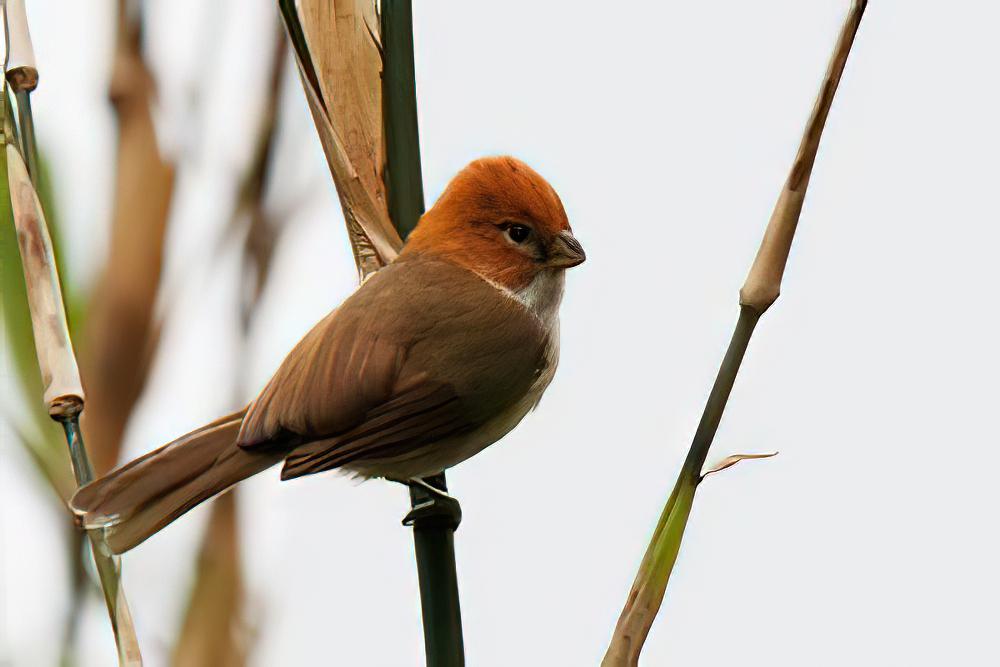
x: 759, y: 292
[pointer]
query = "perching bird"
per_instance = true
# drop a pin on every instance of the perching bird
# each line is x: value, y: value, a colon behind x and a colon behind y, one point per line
x: 438, y: 355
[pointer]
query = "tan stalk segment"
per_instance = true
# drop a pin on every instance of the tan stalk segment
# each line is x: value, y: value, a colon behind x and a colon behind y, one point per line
x: 21, y: 69
x: 759, y: 292
x: 63, y: 391
x: 60, y: 376
x: 342, y: 39
x: 763, y: 283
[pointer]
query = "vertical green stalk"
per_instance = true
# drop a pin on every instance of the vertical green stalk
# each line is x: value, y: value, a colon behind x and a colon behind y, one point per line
x: 719, y: 397
x: 434, y: 519
x: 403, y: 177
x: 658, y: 563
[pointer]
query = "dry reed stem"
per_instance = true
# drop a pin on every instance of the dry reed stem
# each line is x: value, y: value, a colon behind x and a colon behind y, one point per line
x: 63, y: 391
x: 22, y: 73
x: 60, y: 377
x: 759, y: 292
x: 763, y: 283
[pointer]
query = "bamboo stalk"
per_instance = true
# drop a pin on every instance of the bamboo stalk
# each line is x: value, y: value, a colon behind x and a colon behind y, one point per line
x: 759, y: 292
x: 403, y: 177
x: 434, y: 521
x: 63, y: 390
x: 22, y: 76
x: 63, y: 395
x: 370, y: 136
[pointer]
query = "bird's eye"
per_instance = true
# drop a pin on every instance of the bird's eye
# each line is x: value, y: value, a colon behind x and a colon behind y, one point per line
x: 518, y: 233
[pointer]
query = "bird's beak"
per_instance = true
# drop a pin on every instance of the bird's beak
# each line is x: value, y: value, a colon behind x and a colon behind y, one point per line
x: 565, y: 252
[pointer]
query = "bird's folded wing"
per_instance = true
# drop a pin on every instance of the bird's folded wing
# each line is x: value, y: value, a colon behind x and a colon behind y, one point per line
x: 327, y: 384
x: 419, y: 417
x: 423, y: 351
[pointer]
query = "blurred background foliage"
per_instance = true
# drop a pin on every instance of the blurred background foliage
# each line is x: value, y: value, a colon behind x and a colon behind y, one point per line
x: 115, y: 329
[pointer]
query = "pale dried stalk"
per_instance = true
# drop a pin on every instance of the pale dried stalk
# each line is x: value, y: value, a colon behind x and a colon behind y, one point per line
x: 63, y: 391
x: 60, y: 375
x: 759, y: 292
x: 763, y: 283
x: 340, y: 63
x: 21, y: 74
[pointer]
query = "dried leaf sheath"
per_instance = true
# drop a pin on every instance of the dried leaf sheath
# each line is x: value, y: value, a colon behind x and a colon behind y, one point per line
x: 341, y: 69
x: 63, y: 392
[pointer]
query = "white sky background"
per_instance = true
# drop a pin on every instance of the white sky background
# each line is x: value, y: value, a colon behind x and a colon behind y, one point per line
x: 668, y: 129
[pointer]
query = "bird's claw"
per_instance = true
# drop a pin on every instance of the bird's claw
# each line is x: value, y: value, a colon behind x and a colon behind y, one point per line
x: 432, y: 507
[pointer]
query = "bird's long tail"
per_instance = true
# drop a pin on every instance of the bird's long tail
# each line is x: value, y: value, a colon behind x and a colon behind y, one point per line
x: 138, y: 499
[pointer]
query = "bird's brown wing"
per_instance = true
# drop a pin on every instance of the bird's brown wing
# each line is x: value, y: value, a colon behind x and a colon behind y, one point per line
x: 409, y: 421
x: 423, y: 351
x: 326, y: 384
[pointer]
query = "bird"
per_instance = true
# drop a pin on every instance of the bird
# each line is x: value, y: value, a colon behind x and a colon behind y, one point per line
x: 436, y: 356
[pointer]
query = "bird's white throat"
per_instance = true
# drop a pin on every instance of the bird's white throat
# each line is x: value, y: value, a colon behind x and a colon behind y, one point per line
x: 543, y: 295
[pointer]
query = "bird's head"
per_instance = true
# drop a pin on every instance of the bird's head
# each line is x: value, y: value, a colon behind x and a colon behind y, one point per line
x: 498, y: 217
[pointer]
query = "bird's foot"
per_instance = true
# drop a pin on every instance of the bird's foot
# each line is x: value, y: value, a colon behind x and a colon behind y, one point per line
x: 430, y: 488
x: 431, y: 505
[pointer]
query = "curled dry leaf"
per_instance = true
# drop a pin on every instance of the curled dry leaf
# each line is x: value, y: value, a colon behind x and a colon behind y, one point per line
x: 732, y: 460
x: 340, y: 62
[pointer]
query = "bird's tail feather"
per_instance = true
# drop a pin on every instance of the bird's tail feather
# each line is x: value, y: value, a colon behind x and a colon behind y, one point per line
x: 138, y: 499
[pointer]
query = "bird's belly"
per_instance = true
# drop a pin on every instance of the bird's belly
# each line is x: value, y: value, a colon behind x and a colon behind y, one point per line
x: 434, y: 457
